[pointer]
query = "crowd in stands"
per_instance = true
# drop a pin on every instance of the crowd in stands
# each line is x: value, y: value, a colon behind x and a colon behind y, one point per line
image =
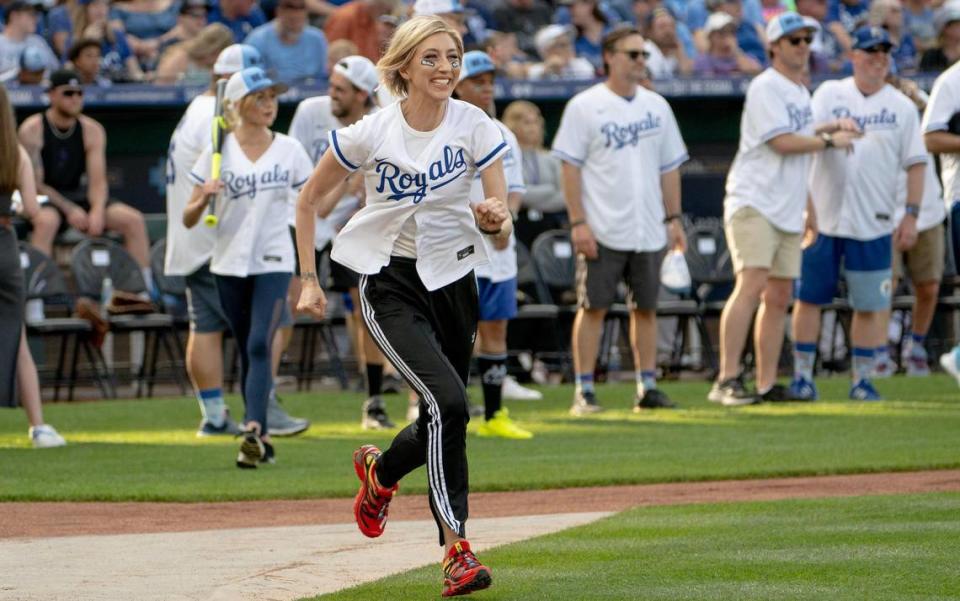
x: 176, y: 41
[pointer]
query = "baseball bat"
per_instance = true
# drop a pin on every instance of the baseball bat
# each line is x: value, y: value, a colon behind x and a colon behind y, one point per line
x: 218, y: 131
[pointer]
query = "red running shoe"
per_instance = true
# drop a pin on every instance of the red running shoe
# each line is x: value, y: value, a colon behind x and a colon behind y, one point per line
x: 463, y: 573
x: 372, y: 502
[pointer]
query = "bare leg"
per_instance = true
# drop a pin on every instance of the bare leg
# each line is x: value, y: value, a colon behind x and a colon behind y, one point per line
x: 129, y: 223
x: 205, y: 359
x: 643, y: 339
x: 587, y: 327
x: 45, y: 223
x: 736, y: 318
x: 865, y: 331
x: 925, y: 305
x: 492, y: 337
x: 806, y: 322
x: 768, y: 331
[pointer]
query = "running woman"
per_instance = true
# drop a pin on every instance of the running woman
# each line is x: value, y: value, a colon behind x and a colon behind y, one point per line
x: 416, y: 244
x: 261, y: 171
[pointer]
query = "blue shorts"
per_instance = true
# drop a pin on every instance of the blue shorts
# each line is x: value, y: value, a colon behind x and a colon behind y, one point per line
x: 203, y: 303
x: 498, y: 300
x: 867, y: 268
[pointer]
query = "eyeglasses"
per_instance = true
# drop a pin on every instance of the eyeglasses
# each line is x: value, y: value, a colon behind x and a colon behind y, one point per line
x: 801, y: 40
x: 635, y: 54
x: 876, y: 49
x: 292, y: 6
x: 72, y: 93
x: 198, y: 13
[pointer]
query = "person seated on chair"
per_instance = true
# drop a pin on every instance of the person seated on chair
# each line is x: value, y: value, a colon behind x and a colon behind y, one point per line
x: 68, y: 151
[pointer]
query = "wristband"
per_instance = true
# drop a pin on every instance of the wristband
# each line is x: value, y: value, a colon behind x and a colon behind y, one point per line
x: 670, y: 218
x: 912, y: 209
x: 574, y: 224
x: 490, y: 232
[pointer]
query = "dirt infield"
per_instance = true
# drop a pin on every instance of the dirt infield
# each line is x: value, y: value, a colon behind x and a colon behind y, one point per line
x: 30, y: 520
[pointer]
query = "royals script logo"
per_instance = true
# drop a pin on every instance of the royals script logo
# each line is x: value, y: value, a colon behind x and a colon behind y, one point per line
x: 630, y: 134
x: 800, y: 118
x: 248, y: 185
x: 883, y: 120
x: 400, y: 185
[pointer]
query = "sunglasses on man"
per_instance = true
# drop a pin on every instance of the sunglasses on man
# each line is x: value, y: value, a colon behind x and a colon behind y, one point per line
x: 796, y: 41
x: 878, y: 48
x: 72, y: 93
x: 635, y: 54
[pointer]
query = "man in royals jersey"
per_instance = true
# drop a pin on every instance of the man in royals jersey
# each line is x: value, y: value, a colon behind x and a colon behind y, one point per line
x: 621, y: 151
x: 856, y: 200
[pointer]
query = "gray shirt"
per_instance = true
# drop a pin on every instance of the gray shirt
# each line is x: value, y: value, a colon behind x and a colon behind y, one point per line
x: 11, y: 50
x: 541, y: 172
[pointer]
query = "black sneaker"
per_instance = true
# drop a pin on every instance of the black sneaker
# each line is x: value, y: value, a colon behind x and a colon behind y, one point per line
x: 777, y: 394
x: 653, y: 399
x: 585, y: 403
x: 735, y: 393
x: 228, y: 428
x: 375, y: 415
x: 269, y: 455
x: 252, y: 450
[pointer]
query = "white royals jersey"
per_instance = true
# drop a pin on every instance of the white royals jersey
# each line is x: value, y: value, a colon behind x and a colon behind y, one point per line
x: 432, y: 187
x: 772, y: 183
x: 187, y: 249
x: 622, y: 147
x: 855, y: 193
x: 503, y: 263
x: 944, y: 103
x: 932, y: 208
x: 253, y: 233
x: 311, y: 126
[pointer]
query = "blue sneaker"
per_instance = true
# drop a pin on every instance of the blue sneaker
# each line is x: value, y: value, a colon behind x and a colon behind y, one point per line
x: 229, y: 428
x: 864, y: 391
x: 802, y: 389
x: 950, y: 362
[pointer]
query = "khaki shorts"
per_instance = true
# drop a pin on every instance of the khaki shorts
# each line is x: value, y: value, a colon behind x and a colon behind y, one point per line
x: 755, y: 242
x: 925, y: 260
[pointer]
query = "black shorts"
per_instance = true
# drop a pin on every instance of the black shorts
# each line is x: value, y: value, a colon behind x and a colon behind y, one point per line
x: 81, y: 202
x: 341, y: 278
x: 597, y: 279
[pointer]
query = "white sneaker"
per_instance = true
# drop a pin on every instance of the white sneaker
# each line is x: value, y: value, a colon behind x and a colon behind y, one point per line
x: 515, y: 392
x: 948, y: 361
x: 45, y: 436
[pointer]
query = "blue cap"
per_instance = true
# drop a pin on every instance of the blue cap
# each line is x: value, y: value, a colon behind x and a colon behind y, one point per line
x: 476, y: 63
x: 31, y: 59
x: 249, y: 81
x: 871, y: 37
x: 788, y: 22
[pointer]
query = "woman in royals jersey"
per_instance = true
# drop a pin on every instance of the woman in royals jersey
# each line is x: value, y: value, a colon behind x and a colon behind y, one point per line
x: 261, y: 172
x: 416, y: 244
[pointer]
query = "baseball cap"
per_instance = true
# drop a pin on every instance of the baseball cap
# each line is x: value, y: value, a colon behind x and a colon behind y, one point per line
x: 476, y: 62
x: 717, y: 21
x: 249, y: 81
x: 64, y: 77
x: 870, y: 37
x: 360, y: 71
x: 948, y: 14
x: 436, y: 7
x: 788, y: 22
x: 549, y: 35
x: 31, y: 59
x: 236, y: 58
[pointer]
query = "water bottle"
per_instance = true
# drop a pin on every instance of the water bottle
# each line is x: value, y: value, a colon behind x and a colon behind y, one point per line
x: 106, y: 293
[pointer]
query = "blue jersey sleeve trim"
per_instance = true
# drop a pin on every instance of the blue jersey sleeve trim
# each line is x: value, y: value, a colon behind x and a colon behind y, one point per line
x: 566, y: 158
x: 197, y: 178
x: 339, y: 155
x: 675, y: 163
x: 919, y: 159
x: 935, y: 127
x: 773, y: 133
x: 493, y: 154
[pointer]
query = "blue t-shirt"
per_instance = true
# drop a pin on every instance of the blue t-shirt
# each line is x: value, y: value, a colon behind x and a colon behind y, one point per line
x: 905, y: 54
x: 850, y: 16
x: 147, y: 25
x: 241, y: 27
x: 749, y: 41
x: 306, y: 58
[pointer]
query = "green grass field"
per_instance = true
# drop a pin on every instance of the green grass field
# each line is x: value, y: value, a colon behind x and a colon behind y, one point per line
x: 876, y: 548
x: 146, y: 449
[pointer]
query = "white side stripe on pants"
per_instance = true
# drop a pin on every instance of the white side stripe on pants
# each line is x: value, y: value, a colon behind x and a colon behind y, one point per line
x: 434, y: 428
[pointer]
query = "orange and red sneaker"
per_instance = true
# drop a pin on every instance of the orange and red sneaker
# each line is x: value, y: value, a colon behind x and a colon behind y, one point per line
x: 373, y: 501
x: 462, y: 571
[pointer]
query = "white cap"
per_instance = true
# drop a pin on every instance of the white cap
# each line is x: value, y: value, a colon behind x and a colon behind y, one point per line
x: 548, y: 36
x: 436, y: 7
x: 249, y: 81
x: 236, y: 58
x: 717, y: 21
x: 360, y: 71
x: 788, y: 22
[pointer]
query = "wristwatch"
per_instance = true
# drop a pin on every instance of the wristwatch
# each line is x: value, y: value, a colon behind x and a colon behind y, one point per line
x: 827, y: 140
x: 912, y: 209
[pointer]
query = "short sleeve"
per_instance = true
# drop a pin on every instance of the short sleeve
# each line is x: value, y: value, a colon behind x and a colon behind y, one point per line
x: 913, y: 150
x: 572, y: 143
x: 766, y: 113
x: 351, y: 145
x: 942, y: 105
x: 673, y: 152
x: 488, y: 143
x: 201, y: 169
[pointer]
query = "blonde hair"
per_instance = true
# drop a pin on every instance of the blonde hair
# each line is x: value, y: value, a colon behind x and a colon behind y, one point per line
x: 516, y: 111
x: 402, y: 45
x: 9, y: 147
x: 211, y: 40
x: 79, y: 21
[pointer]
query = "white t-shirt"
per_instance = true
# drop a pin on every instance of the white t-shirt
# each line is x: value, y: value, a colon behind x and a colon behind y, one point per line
x: 855, y: 193
x: 772, y: 183
x: 943, y: 104
x: 503, y: 263
x: 622, y: 147
x: 253, y: 235
x: 187, y: 249
x: 433, y: 187
x: 932, y: 208
x: 311, y: 126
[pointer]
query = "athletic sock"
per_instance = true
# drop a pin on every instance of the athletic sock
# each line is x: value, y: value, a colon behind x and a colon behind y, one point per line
x: 584, y: 383
x: 374, y: 379
x: 917, y: 346
x: 804, y: 357
x: 646, y: 380
x: 863, y: 360
x: 881, y: 355
x: 212, y: 406
x: 493, y: 368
